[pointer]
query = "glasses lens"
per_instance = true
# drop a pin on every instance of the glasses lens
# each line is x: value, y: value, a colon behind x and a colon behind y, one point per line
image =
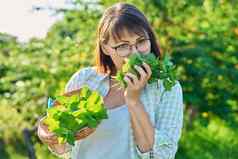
x: 123, y: 50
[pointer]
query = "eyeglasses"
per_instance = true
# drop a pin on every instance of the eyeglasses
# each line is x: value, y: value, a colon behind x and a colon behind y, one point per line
x: 141, y: 45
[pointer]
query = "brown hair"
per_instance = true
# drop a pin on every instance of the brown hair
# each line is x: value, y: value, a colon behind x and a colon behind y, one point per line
x: 116, y: 18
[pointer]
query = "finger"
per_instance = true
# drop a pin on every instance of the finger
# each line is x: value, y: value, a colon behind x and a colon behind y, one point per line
x: 143, y: 74
x: 128, y: 81
x: 44, y: 132
x: 52, y: 141
x: 129, y: 78
x: 134, y: 77
x: 46, y: 137
x: 148, y: 69
x: 49, y: 140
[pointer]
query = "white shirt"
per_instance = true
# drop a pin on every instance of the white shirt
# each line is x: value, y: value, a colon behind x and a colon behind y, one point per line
x: 110, y: 139
x: 165, y: 110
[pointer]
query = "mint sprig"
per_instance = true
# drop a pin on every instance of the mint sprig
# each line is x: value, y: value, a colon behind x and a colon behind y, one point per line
x: 162, y: 69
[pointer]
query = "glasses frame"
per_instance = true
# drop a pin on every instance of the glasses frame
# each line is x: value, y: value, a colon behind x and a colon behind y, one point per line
x: 130, y: 47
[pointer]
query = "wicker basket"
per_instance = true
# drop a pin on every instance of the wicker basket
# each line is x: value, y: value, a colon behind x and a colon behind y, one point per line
x: 84, y: 132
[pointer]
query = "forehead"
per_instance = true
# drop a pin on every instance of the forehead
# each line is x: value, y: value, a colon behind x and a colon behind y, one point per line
x: 125, y: 35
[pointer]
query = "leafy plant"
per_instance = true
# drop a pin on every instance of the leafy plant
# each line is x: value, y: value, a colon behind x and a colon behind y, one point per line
x: 161, y: 69
x: 75, y: 112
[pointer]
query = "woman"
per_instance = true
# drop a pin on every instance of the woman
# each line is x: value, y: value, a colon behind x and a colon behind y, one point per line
x: 140, y: 123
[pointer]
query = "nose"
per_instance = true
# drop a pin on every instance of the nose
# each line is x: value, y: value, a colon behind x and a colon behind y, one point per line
x: 133, y: 49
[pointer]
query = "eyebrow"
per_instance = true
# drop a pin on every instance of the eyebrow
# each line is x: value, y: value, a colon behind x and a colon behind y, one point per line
x: 126, y: 41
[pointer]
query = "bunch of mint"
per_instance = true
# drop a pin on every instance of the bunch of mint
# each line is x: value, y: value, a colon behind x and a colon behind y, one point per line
x: 161, y: 69
x: 85, y: 109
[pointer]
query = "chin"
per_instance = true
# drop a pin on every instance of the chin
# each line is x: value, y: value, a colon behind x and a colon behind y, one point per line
x: 119, y: 68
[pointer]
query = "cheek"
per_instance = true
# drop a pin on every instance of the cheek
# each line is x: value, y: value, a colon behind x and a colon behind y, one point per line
x: 119, y: 61
x: 148, y: 50
x: 116, y: 57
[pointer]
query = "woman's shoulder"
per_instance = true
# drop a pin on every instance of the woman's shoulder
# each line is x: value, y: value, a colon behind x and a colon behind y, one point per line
x: 173, y: 95
x: 84, y: 72
x: 86, y: 75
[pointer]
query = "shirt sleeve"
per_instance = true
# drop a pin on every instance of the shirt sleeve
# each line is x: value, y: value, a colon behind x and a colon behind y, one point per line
x: 168, y: 124
x: 78, y: 79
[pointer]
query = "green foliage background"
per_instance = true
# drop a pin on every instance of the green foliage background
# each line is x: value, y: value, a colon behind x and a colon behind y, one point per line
x: 201, y: 36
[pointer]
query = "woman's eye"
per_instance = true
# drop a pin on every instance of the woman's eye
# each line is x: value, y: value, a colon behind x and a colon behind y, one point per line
x: 142, y: 41
x: 123, y: 46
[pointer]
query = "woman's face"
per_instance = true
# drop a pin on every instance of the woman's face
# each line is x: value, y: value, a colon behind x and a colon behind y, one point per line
x: 118, y: 49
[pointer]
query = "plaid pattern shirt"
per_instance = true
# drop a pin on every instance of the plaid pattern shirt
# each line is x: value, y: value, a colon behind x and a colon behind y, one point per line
x: 165, y: 110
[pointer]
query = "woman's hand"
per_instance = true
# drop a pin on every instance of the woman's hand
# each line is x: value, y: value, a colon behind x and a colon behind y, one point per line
x: 49, y: 138
x: 135, y: 85
x: 45, y: 135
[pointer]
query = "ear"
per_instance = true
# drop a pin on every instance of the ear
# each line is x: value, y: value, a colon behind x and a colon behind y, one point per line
x: 106, y: 49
